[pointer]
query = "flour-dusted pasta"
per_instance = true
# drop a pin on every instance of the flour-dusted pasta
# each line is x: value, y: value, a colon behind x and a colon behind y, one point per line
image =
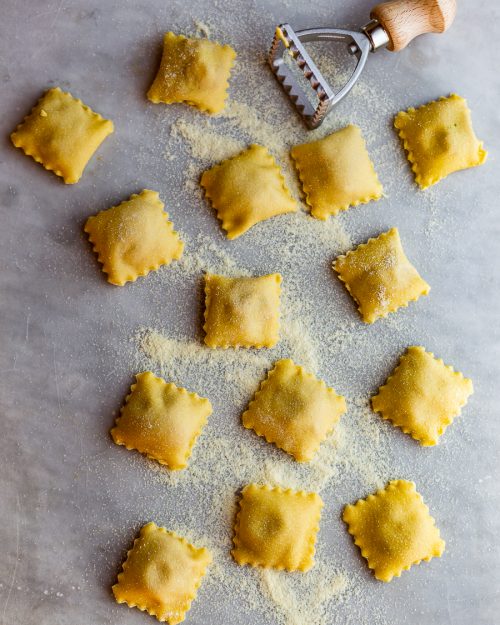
x: 294, y: 410
x: 422, y: 396
x: 134, y: 238
x: 62, y: 134
x: 439, y: 139
x: 193, y: 71
x: 246, y: 189
x: 242, y: 312
x: 161, y: 574
x: 380, y: 277
x: 393, y: 529
x: 276, y: 528
x: 161, y: 420
x: 336, y: 172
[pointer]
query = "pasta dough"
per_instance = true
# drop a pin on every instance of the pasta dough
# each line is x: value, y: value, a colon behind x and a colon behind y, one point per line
x: 161, y: 574
x: 161, y: 420
x: 439, y: 139
x: 422, y: 396
x: 294, y: 410
x: 336, y: 172
x: 380, y: 277
x: 393, y: 530
x: 242, y: 312
x: 193, y: 71
x: 134, y: 238
x: 246, y: 189
x: 276, y: 528
x: 62, y: 134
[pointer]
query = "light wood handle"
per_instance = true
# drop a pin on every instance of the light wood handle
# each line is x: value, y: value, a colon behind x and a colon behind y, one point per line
x: 403, y: 20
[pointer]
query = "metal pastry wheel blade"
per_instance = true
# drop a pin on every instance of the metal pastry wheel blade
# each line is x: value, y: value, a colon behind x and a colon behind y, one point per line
x: 288, y: 42
x: 394, y: 24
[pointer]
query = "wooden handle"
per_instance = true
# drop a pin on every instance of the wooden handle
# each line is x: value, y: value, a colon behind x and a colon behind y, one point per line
x: 403, y: 20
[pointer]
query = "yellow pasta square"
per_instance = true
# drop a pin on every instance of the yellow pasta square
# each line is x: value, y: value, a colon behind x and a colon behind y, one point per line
x: 134, y: 238
x: 336, y: 172
x: 242, y: 312
x: 161, y: 420
x: 193, y: 71
x: 439, y: 139
x: 380, y: 277
x: 62, y: 134
x: 161, y: 574
x: 393, y: 529
x: 422, y: 396
x: 276, y: 528
x: 246, y: 189
x: 294, y: 410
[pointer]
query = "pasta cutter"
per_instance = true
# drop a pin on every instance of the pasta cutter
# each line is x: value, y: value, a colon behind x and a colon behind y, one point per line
x: 393, y: 25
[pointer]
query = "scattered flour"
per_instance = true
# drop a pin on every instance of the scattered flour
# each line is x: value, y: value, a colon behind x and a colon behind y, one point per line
x: 226, y: 456
x: 311, y: 594
x: 223, y: 462
x: 320, y: 330
x: 203, y: 142
x: 207, y: 256
x: 181, y: 358
x: 202, y: 29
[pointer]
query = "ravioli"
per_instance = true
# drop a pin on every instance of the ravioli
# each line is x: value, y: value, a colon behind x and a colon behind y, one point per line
x: 134, y: 238
x: 336, y: 172
x: 193, y: 71
x: 380, y: 277
x: 242, y: 312
x: 161, y: 420
x: 393, y: 529
x: 439, y: 139
x: 276, y: 528
x: 247, y: 189
x: 422, y: 396
x: 161, y: 574
x: 62, y: 133
x: 294, y: 410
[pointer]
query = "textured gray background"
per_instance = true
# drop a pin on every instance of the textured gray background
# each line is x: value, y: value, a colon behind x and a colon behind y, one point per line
x: 67, y: 511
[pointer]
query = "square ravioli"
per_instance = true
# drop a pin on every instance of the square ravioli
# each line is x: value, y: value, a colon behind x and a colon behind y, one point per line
x: 439, y: 139
x: 161, y: 420
x: 422, y: 396
x: 276, y: 528
x: 393, y: 529
x: 193, y: 71
x: 62, y: 134
x: 294, y: 410
x: 242, y: 312
x: 134, y: 238
x: 380, y: 277
x: 336, y: 172
x: 246, y: 189
x: 161, y: 574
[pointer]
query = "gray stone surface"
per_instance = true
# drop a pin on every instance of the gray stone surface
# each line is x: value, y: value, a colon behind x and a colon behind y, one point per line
x: 70, y: 501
